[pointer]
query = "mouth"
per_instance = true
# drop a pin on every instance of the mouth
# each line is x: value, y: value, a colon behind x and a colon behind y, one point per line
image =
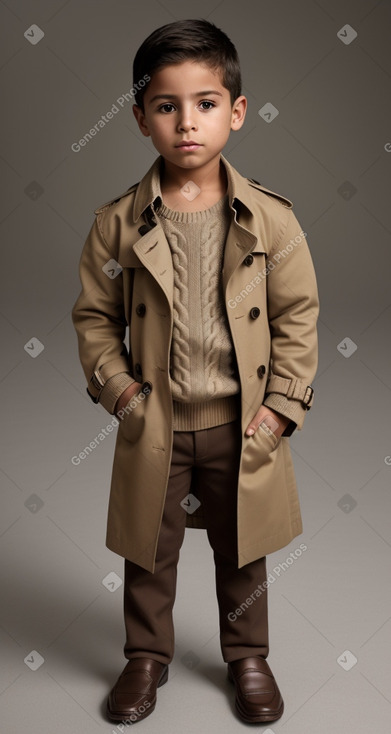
x: 188, y: 145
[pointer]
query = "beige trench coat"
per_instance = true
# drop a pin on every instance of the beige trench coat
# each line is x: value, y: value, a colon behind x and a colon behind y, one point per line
x: 271, y: 300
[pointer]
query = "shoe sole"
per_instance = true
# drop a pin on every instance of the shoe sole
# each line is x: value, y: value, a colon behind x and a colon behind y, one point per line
x: 256, y: 718
x: 122, y: 717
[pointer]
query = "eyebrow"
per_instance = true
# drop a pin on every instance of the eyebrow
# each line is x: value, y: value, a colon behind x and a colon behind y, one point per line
x: 174, y: 96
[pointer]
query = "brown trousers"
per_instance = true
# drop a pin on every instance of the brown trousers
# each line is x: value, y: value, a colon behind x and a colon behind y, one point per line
x: 205, y: 463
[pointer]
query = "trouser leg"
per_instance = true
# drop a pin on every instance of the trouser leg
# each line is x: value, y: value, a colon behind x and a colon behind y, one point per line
x: 149, y: 597
x: 245, y: 634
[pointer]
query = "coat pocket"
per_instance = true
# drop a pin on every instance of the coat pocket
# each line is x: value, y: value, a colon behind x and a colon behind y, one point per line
x: 269, y: 433
x: 259, y: 447
x: 133, y: 420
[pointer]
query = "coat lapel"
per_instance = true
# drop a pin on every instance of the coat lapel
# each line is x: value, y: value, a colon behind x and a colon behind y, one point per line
x: 239, y: 243
x: 154, y: 253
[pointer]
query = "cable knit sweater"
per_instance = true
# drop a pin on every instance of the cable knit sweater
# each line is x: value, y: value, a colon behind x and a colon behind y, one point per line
x: 204, y: 378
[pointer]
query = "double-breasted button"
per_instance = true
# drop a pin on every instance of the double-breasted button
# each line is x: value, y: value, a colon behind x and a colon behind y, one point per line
x: 254, y: 312
x: 140, y: 309
x: 146, y: 387
x: 261, y: 370
x: 137, y: 368
x: 248, y: 260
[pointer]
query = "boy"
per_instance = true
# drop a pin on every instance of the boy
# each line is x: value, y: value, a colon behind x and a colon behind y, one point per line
x: 213, y: 275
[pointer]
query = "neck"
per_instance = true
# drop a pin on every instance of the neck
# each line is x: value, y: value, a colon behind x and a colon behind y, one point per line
x: 209, y: 177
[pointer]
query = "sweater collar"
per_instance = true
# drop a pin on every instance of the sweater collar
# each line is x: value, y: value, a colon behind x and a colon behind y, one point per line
x: 148, y: 193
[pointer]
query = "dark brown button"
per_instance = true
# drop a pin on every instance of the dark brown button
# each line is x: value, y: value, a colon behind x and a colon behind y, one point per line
x: 261, y: 370
x: 140, y: 309
x: 248, y: 260
x: 254, y: 313
x: 146, y: 387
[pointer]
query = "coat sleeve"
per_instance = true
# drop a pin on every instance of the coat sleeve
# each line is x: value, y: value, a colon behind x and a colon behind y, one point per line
x: 293, y: 309
x: 100, y: 323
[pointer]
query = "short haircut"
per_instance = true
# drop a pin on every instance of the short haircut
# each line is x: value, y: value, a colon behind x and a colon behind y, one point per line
x: 184, y: 40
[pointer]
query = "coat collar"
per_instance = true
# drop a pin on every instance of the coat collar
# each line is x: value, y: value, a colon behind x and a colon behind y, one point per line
x: 153, y: 250
x: 148, y: 193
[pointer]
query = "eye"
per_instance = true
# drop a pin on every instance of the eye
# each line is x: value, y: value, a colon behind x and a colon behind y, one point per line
x: 207, y: 101
x: 164, y: 106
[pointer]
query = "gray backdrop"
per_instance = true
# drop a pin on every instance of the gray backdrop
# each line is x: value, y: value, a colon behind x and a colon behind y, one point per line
x: 326, y: 68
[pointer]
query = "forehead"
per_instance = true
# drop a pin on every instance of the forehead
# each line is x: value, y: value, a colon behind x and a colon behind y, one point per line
x: 185, y: 79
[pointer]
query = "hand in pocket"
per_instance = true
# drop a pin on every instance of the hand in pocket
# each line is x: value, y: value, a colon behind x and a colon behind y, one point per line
x: 126, y: 396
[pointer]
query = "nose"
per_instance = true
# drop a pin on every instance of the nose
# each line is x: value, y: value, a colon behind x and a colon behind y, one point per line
x: 186, y: 119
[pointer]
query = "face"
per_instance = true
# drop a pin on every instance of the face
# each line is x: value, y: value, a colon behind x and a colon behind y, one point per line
x: 187, y: 102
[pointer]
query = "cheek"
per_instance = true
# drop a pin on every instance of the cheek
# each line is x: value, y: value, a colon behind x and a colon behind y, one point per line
x: 163, y: 127
x: 158, y: 133
x: 223, y: 121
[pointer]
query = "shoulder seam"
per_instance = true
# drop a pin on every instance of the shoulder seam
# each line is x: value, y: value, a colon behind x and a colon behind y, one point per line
x: 100, y: 228
x: 283, y: 229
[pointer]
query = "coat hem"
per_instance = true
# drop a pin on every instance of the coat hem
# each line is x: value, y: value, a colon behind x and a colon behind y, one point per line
x: 271, y: 544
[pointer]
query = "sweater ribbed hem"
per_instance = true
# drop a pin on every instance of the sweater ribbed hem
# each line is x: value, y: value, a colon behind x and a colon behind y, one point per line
x: 198, y: 416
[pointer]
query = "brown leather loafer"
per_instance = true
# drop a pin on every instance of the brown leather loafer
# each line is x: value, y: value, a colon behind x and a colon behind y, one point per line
x: 134, y: 695
x: 257, y: 695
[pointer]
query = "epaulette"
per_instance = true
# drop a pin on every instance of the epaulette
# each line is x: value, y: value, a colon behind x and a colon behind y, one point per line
x: 117, y: 198
x: 284, y: 201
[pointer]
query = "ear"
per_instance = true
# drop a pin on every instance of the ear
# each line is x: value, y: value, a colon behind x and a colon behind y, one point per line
x: 140, y: 117
x: 239, y: 109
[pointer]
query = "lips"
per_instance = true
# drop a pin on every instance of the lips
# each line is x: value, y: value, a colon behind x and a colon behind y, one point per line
x: 186, y: 143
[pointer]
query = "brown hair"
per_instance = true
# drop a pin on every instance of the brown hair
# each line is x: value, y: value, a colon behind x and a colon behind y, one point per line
x: 174, y: 43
